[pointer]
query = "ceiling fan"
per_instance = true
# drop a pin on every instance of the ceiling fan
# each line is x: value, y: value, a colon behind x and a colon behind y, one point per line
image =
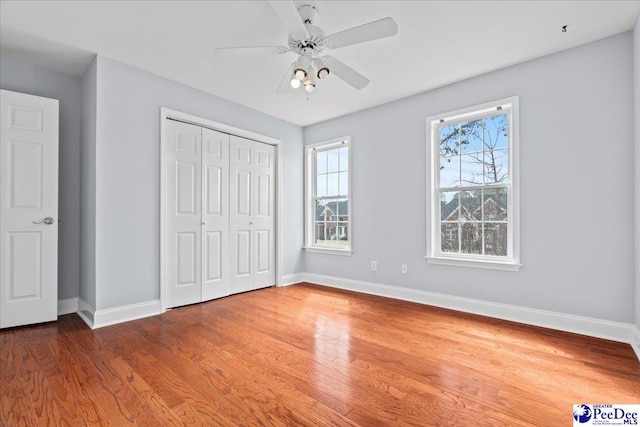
x: 309, y: 42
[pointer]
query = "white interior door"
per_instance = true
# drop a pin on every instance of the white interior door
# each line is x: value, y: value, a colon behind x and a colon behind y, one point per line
x: 28, y: 209
x: 183, y: 256
x: 252, y: 216
x: 215, y: 214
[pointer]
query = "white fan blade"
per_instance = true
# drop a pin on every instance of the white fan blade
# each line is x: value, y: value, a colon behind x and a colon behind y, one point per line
x: 252, y: 50
x: 373, y: 30
x: 346, y: 73
x: 285, y: 86
x: 288, y: 14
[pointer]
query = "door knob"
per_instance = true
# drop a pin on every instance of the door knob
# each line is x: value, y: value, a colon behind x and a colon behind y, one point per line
x: 204, y: 223
x: 250, y: 222
x: 48, y: 220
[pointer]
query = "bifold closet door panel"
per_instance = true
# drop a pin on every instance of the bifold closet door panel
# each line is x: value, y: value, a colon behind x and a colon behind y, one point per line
x: 264, y: 215
x: 215, y: 214
x: 183, y: 254
x: 241, y: 222
x: 252, y: 216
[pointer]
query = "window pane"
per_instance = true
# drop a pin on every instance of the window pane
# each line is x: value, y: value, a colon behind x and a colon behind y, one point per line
x: 320, y: 232
x: 449, y: 237
x: 495, y: 239
x: 320, y: 210
x: 495, y: 204
x: 471, y: 169
x: 332, y: 157
x: 343, y: 233
x: 496, y: 132
x: 448, y: 140
x: 471, y: 205
x: 450, y: 171
x: 344, y: 159
x: 332, y: 184
x: 327, y: 233
x: 496, y: 166
x: 321, y: 185
x: 449, y: 206
x: 471, y: 238
x: 344, y: 183
x: 342, y: 207
x: 331, y: 210
x: 471, y: 136
x: 321, y: 162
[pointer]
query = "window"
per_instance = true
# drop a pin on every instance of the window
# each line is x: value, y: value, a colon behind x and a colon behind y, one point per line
x: 328, y: 202
x: 473, y: 206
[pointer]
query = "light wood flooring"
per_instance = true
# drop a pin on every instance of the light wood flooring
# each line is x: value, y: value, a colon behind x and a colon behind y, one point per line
x: 307, y: 355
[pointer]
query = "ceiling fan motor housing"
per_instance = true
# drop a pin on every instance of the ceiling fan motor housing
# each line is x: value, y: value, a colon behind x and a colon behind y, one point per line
x: 311, y: 45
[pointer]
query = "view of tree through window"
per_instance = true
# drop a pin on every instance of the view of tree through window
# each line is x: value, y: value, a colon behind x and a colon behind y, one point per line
x: 473, y: 191
x: 331, y: 224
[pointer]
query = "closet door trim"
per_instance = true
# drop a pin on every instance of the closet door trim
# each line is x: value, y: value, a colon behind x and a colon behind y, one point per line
x: 165, y: 114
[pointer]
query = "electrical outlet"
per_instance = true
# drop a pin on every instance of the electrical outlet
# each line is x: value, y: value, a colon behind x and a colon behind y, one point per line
x: 374, y: 265
x: 403, y: 268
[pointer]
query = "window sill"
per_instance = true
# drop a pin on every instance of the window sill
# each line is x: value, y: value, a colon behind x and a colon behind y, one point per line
x: 474, y: 263
x: 330, y: 251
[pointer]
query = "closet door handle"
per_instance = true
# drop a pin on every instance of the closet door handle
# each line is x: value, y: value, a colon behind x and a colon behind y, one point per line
x: 250, y: 222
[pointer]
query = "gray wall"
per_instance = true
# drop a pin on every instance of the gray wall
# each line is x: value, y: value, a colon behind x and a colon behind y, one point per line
x: 636, y: 78
x: 128, y: 176
x: 18, y: 76
x: 88, y: 186
x: 576, y: 121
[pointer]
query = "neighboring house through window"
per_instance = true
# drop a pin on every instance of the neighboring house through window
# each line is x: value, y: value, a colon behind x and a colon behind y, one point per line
x: 328, y: 201
x: 474, y: 196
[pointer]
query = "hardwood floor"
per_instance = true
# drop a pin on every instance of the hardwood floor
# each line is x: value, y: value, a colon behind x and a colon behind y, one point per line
x: 307, y: 355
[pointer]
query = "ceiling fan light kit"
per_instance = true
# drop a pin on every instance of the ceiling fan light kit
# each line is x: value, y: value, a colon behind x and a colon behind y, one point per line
x: 323, y: 71
x: 309, y: 41
x: 300, y: 70
x: 309, y: 84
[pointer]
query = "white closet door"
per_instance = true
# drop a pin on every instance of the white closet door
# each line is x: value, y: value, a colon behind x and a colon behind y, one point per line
x: 215, y: 214
x: 28, y: 209
x: 183, y: 254
x: 219, y: 214
x: 241, y: 222
x: 252, y: 217
x: 264, y: 216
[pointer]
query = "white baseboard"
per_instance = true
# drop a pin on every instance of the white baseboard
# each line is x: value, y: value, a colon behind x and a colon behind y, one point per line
x: 614, y: 331
x: 111, y: 316
x: 67, y: 306
x: 291, y: 279
x: 635, y: 341
x: 86, y: 312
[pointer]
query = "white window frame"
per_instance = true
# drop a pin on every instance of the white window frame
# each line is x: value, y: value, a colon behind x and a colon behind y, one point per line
x: 435, y: 255
x: 310, y: 196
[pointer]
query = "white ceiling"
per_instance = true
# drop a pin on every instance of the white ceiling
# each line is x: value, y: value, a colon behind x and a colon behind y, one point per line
x: 438, y: 43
